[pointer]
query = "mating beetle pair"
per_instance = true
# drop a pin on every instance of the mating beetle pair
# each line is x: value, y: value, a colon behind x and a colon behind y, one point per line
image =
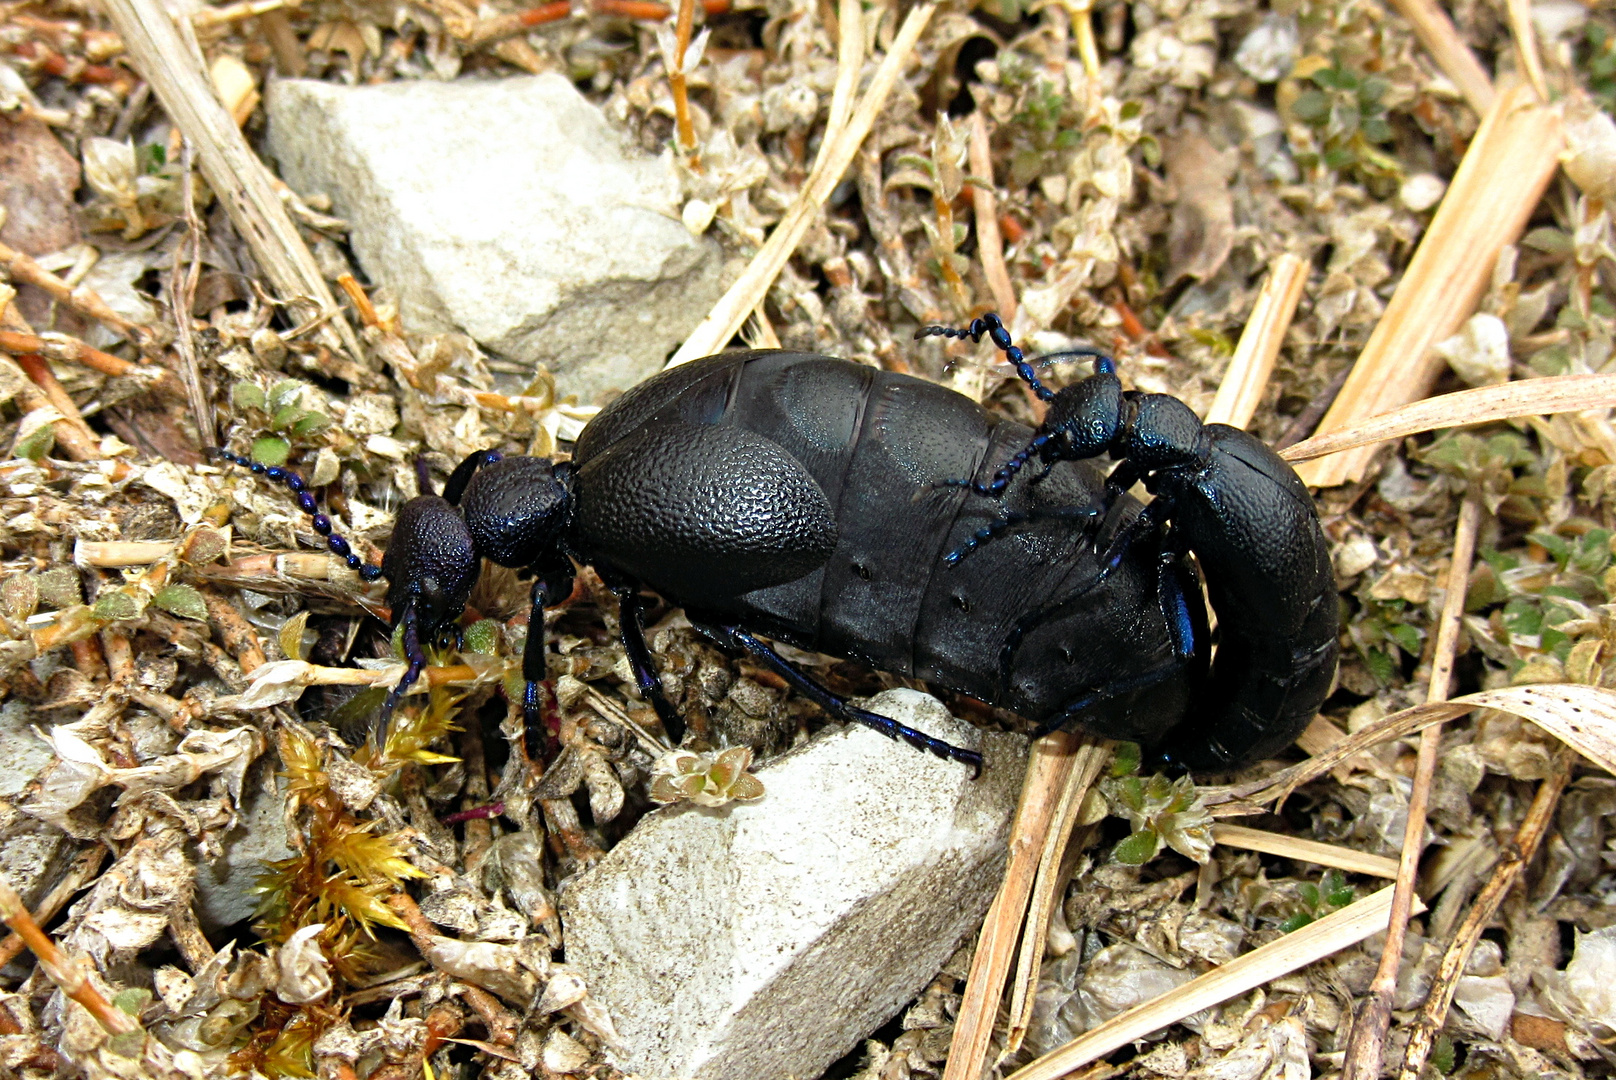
x: 884, y: 519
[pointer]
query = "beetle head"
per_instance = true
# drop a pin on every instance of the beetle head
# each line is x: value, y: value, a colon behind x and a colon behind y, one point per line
x: 518, y: 509
x: 431, y: 564
x: 1085, y: 418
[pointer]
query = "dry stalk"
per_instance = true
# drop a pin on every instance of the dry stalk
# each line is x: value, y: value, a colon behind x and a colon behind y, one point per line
x: 243, y: 9
x: 681, y: 93
x: 1484, y: 404
x: 1582, y: 716
x: 1336, y: 931
x: 1512, y: 861
x: 112, y: 554
x: 1253, y: 362
x: 836, y: 153
x: 64, y: 971
x: 62, y: 347
x: 39, y: 373
x: 1051, y: 762
x: 1525, y: 35
x: 182, y: 279
x: 237, y: 633
x: 1365, y: 1049
x: 990, y: 245
x: 173, y: 66
x: 1047, y: 888
x: 1498, y: 184
x: 1436, y: 32
x: 85, y: 301
x: 1313, y: 851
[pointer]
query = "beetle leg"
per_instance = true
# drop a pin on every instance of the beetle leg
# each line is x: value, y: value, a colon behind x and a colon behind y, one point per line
x: 456, y: 487
x: 631, y: 624
x: 838, y: 708
x: 416, y: 661
x: 547, y: 589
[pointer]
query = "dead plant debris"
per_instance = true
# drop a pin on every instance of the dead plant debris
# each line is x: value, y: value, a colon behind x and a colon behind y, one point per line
x: 186, y: 676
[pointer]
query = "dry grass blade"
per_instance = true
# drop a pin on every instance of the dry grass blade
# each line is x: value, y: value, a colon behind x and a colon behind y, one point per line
x: 732, y: 309
x: 174, y: 69
x: 1052, y: 760
x: 1365, y: 1047
x: 1329, y: 935
x: 1584, y: 716
x: 989, y: 242
x: 1452, y: 967
x: 1484, y: 404
x: 1253, y: 361
x: 1313, y: 851
x: 1437, y: 33
x: 1520, y: 27
x: 1497, y: 186
x: 1048, y: 888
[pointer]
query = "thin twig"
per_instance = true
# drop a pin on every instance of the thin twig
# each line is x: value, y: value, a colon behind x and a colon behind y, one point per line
x: 1336, y: 931
x: 86, y: 865
x: 1436, y: 32
x: 732, y: 309
x: 989, y: 243
x: 1365, y: 1047
x: 82, y: 300
x: 1052, y: 760
x: 1313, y: 851
x: 1525, y: 35
x: 182, y: 279
x: 1481, y: 405
x: 1512, y: 861
x: 1497, y: 186
x: 681, y: 92
x: 1249, y: 369
x: 64, y: 971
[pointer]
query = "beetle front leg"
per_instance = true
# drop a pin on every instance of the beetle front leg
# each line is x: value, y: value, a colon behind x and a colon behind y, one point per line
x: 548, y: 589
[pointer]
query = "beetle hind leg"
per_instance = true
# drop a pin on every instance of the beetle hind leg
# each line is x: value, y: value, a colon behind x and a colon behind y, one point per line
x: 739, y: 638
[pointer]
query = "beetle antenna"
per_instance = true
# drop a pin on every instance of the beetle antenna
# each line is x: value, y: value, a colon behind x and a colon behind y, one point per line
x: 991, y: 325
x: 306, y: 503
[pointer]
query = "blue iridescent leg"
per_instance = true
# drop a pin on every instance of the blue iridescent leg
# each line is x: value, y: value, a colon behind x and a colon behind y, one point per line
x: 991, y: 325
x: 631, y: 626
x: 416, y: 661
x: 737, y: 637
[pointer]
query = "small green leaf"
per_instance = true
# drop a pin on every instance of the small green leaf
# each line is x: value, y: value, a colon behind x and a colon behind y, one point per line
x: 286, y: 416
x: 128, y: 1044
x: 182, y: 600
x: 1311, y: 107
x: 1377, y: 130
x: 482, y: 637
x: 353, y: 712
x: 271, y: 450
x: 132, y: 1000
x: 1549, y: 239
x: 248, y: 395
x: 1137, y: 849
x: 310, y: 423
x: 1340, y: 898
x: 284, y: 393
x: 1407, y: 638
x: 1296, y: 922
x: 1126, y: 760
x: 59, y: 587
x: 116, y: 604
x: 1339, y: 158
x: 1309, y: 894
x: 1443, y: 1058
x: 37, y: 443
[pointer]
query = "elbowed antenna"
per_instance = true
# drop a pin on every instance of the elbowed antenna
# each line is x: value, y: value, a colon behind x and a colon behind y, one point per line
x: 305, y: 502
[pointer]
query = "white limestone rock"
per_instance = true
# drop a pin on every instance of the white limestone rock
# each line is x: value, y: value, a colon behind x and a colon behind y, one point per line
x: 509, y: 209
x: 763, y: 941
x: 226, y: 888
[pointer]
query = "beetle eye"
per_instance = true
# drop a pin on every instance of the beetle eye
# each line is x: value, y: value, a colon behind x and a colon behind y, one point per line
x: 862, y: 571
x: 961, y: 603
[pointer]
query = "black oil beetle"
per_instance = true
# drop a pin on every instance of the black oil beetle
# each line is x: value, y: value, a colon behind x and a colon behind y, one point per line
x: 888, y: 520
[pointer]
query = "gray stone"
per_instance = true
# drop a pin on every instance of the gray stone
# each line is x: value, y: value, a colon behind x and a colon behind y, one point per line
x: 763, y: 941
x: 225, y: 887
x: 22, y: 752
x: 510, y: 209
